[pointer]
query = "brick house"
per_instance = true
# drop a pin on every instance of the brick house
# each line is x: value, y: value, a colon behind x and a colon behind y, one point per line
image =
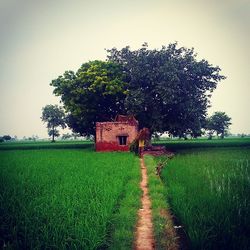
x: 117, y: 135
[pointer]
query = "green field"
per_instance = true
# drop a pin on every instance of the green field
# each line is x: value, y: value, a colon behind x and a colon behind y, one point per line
x: 179, y: 144
x: 209, y: 192
x: 27, y: 145
x: 68, y: 199
x: 64, y: 195
x: 172, y: 144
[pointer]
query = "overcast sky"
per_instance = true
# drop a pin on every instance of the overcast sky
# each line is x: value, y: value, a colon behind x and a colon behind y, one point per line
x: 42, y: 39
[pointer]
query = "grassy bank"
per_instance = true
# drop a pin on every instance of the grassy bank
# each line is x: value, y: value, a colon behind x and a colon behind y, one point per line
x: 67, y: 199
x: 164, y: 233
x: 209, y: 193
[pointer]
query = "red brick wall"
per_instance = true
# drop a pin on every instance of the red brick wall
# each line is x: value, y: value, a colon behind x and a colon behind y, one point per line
x: 107, y: 135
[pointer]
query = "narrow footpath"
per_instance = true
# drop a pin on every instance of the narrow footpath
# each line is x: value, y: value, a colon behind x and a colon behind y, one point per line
x: 144, y: 231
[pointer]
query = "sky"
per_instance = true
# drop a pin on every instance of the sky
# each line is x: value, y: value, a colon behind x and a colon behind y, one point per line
x: 41, y: 39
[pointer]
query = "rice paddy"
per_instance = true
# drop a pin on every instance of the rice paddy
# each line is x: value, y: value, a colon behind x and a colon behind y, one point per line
x: 67, y: 199
x: 209, y: 192
x: 64, y: 195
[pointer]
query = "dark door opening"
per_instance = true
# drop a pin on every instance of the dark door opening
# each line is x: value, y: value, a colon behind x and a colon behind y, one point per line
x: 122, y: 140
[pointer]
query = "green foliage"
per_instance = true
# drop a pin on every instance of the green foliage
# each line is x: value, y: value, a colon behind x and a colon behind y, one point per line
x: 168, y: 89
x: 54, y: 116
x: 134, y: 147
x: 125, y: 218
x: 6, y: 137
x: 95, y: 92
x: 143, y: 134
x: 71, y: 199
x: 53, y: 133
x: 66, y: 136
x: 209, y: 192
x: 178, y: 145
x: 219, y: 123
x: 47, y: 145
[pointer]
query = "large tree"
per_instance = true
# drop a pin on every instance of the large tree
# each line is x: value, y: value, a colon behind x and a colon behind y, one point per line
x: 96, y: 92
x: 168, y: 89
x: 54, y: 116
x: 219, y: 122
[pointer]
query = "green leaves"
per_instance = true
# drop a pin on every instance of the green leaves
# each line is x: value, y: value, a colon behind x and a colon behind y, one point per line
x: 168, y: 89
x: 55, y: 117
x: 96, y: 92
x: 219, y: 123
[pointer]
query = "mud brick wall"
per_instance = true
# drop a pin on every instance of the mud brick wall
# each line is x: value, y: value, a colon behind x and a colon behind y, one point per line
x: 107, y: 135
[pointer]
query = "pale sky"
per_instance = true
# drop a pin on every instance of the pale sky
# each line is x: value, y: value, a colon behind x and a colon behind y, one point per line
x: 42, y: 39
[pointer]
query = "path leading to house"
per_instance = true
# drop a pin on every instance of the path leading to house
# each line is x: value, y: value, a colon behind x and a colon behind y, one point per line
x: 144, y: 230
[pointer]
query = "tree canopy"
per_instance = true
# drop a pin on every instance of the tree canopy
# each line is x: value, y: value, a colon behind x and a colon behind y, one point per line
x: 54, y: 116
x: 219, y: 122
x: 167, y: 90
x: 96, y: 92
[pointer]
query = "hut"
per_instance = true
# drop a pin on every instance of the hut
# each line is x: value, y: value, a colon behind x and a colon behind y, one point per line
x: 116, y: 135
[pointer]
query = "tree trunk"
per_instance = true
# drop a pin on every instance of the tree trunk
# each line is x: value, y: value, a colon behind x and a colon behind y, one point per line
x: 53, y: 134
x: 222, y: 135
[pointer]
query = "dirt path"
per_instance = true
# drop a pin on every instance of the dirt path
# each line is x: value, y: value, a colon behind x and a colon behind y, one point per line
x: 144, y: 230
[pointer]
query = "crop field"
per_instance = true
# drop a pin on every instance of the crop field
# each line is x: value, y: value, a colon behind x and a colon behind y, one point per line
x: 67, y: 199
x: 181, y: 144
x: 27, y: 145
x: 209, y: 192
x: 64, y: 195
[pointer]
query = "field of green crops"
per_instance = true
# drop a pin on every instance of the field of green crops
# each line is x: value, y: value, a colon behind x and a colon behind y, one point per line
x: 180, y: 144
x: 64, y: 195
x: 67, y: 199
x: 27, y: 145
x: 209, y: 192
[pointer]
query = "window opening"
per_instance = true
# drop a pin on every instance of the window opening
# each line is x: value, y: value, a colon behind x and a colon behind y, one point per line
x: 122, y: 140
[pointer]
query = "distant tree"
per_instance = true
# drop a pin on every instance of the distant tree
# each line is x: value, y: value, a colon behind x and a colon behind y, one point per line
x: 66, y: 136
x: 210, y: 134
x: 7, y: 137
x: 35, y: 137
x: 1, y: 139
x: 53, y: 133
x: 75, y: 135
x: 32, y: 138
x: 54, y: 116
x: 218, y: 123
x: 96, y: 92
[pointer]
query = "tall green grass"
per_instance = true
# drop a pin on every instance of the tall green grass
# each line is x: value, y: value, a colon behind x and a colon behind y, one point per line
x: 165, y: 237
x: 209, y: 192
x: 46, y: 145
x: 66, y: 199
x: 180, y: 144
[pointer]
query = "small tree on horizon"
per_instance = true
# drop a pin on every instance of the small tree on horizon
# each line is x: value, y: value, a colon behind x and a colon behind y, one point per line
x: 218, y: 123
x: 6, y: 137
x: 55, y: 117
